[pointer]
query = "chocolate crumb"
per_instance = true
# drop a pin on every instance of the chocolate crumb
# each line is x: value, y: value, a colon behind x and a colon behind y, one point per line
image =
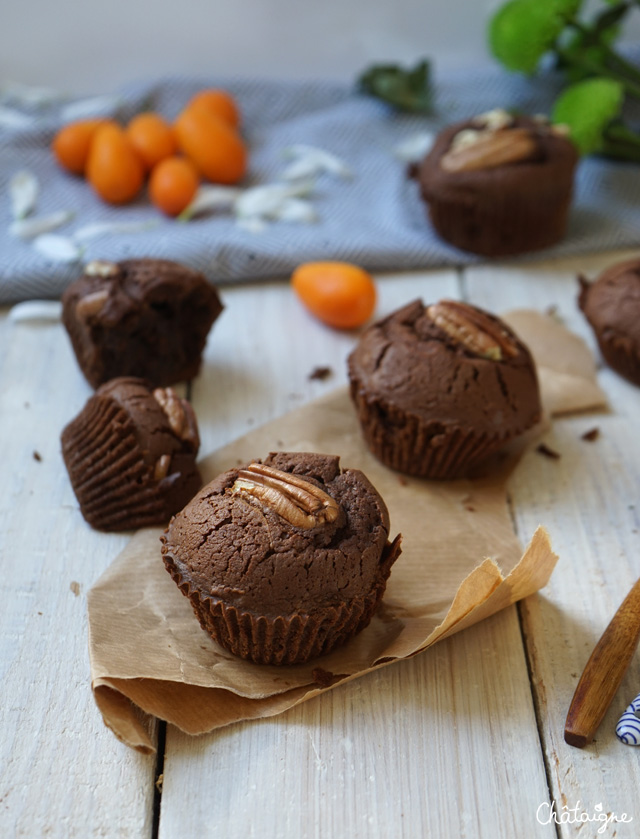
x: 324, y: 678
x: 320, y: 374
x: 403, y: 481
x: 412, y: 171
x: 75, y: 587
x: 547, y: 452
x: 591, y: 435
x: 37, y: 456
x: 469, y: 508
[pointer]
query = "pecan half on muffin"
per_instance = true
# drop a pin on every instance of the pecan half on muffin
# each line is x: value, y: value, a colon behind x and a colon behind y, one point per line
x: 283, y: 560
x: 131, y: 455
x: 611, y: 304
x: 498, y: 184
x: 439, y: 388
x: 141, y: 317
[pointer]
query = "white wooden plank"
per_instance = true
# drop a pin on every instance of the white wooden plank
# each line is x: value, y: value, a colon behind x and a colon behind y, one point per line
x: 62, y: 773
x: 443, y: 745
x: 588, y: 501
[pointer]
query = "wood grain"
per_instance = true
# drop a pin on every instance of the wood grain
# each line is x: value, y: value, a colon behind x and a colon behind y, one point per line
x: 62, y: 773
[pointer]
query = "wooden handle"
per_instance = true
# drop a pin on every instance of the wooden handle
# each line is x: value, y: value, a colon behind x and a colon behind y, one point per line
x: 604, y: 672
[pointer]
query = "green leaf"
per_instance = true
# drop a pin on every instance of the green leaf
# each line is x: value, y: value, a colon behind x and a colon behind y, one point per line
x: 409, y: 90
x: 588, y: 107
x: 522, y: 31
x: 586, y: 53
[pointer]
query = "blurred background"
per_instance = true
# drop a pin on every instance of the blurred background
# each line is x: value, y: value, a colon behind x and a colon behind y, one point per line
x: 82, y: 46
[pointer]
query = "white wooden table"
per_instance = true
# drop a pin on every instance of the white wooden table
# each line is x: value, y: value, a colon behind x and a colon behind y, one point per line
x: 463, y: 740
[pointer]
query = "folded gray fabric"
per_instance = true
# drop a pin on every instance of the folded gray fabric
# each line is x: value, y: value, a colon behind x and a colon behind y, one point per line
x: 375, y: 219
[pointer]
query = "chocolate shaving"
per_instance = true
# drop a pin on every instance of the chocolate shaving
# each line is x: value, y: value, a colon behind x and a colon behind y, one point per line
x: 591, y: 435
x: 547, y: 452
x: 37, y: 456
x: 324, y: 678
x: 320, y: 374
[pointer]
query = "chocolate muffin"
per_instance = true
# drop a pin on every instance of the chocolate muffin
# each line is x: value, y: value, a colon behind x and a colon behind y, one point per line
x: 140, y: 317
x: 283, y: 560
x: 439, y: 388
x: 131, y: 455
x: 611, y: 304
x: 499, y: 185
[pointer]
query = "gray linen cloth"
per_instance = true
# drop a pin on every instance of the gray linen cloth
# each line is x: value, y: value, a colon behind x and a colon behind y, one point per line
x: 376, y: 219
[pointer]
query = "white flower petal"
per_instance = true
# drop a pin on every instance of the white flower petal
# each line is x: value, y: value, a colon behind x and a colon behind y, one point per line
x: 36, y: 311
x: 58, y: 248
x: 303, y: 167
x: 296, y: 210
x: 96, y: 106
x: 415, y: 147
x: 103, y: 228
x: 259, y: 200
x: 23, y: 192
x: 210, y: 198
x: 265, y: 200
x: 10, y: 118
x: 29, y: 228
x: 315, y: 161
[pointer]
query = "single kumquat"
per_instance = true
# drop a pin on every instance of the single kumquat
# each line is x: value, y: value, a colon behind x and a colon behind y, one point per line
x: 218, y: 102
x: 173, y: 184
x: 337, y: 293
x: 72, y: 143
x: 114, y: 169
x: 152, y: 137
x: 216, y: 149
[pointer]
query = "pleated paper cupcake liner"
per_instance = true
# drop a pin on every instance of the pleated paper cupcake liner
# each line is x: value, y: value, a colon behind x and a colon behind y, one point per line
x: 114, y: 486
x: 284, y: 639
x: 430, y: 450
x: 500, y: 229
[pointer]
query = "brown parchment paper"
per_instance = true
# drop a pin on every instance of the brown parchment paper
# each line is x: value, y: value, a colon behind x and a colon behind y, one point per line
x: 460, y: 563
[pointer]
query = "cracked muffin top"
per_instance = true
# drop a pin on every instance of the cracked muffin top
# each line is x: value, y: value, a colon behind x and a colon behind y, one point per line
x: 290, y: 534
x: 447, y: 363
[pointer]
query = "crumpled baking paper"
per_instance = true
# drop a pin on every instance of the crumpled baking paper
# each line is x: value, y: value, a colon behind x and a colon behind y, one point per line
x: 461, y: 562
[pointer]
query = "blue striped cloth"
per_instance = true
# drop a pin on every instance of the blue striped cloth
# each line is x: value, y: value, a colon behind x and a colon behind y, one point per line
x: 375, y: 219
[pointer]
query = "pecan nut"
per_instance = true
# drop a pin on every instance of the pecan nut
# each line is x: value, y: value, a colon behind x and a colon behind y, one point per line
x: 494, y: 120
x: 180, y: 414
x: 101, y: 268
x: 89, y: 305
x: 161, y: 469
x: 491, y: 149
x: 474, y: 329
x: 300, y: 502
